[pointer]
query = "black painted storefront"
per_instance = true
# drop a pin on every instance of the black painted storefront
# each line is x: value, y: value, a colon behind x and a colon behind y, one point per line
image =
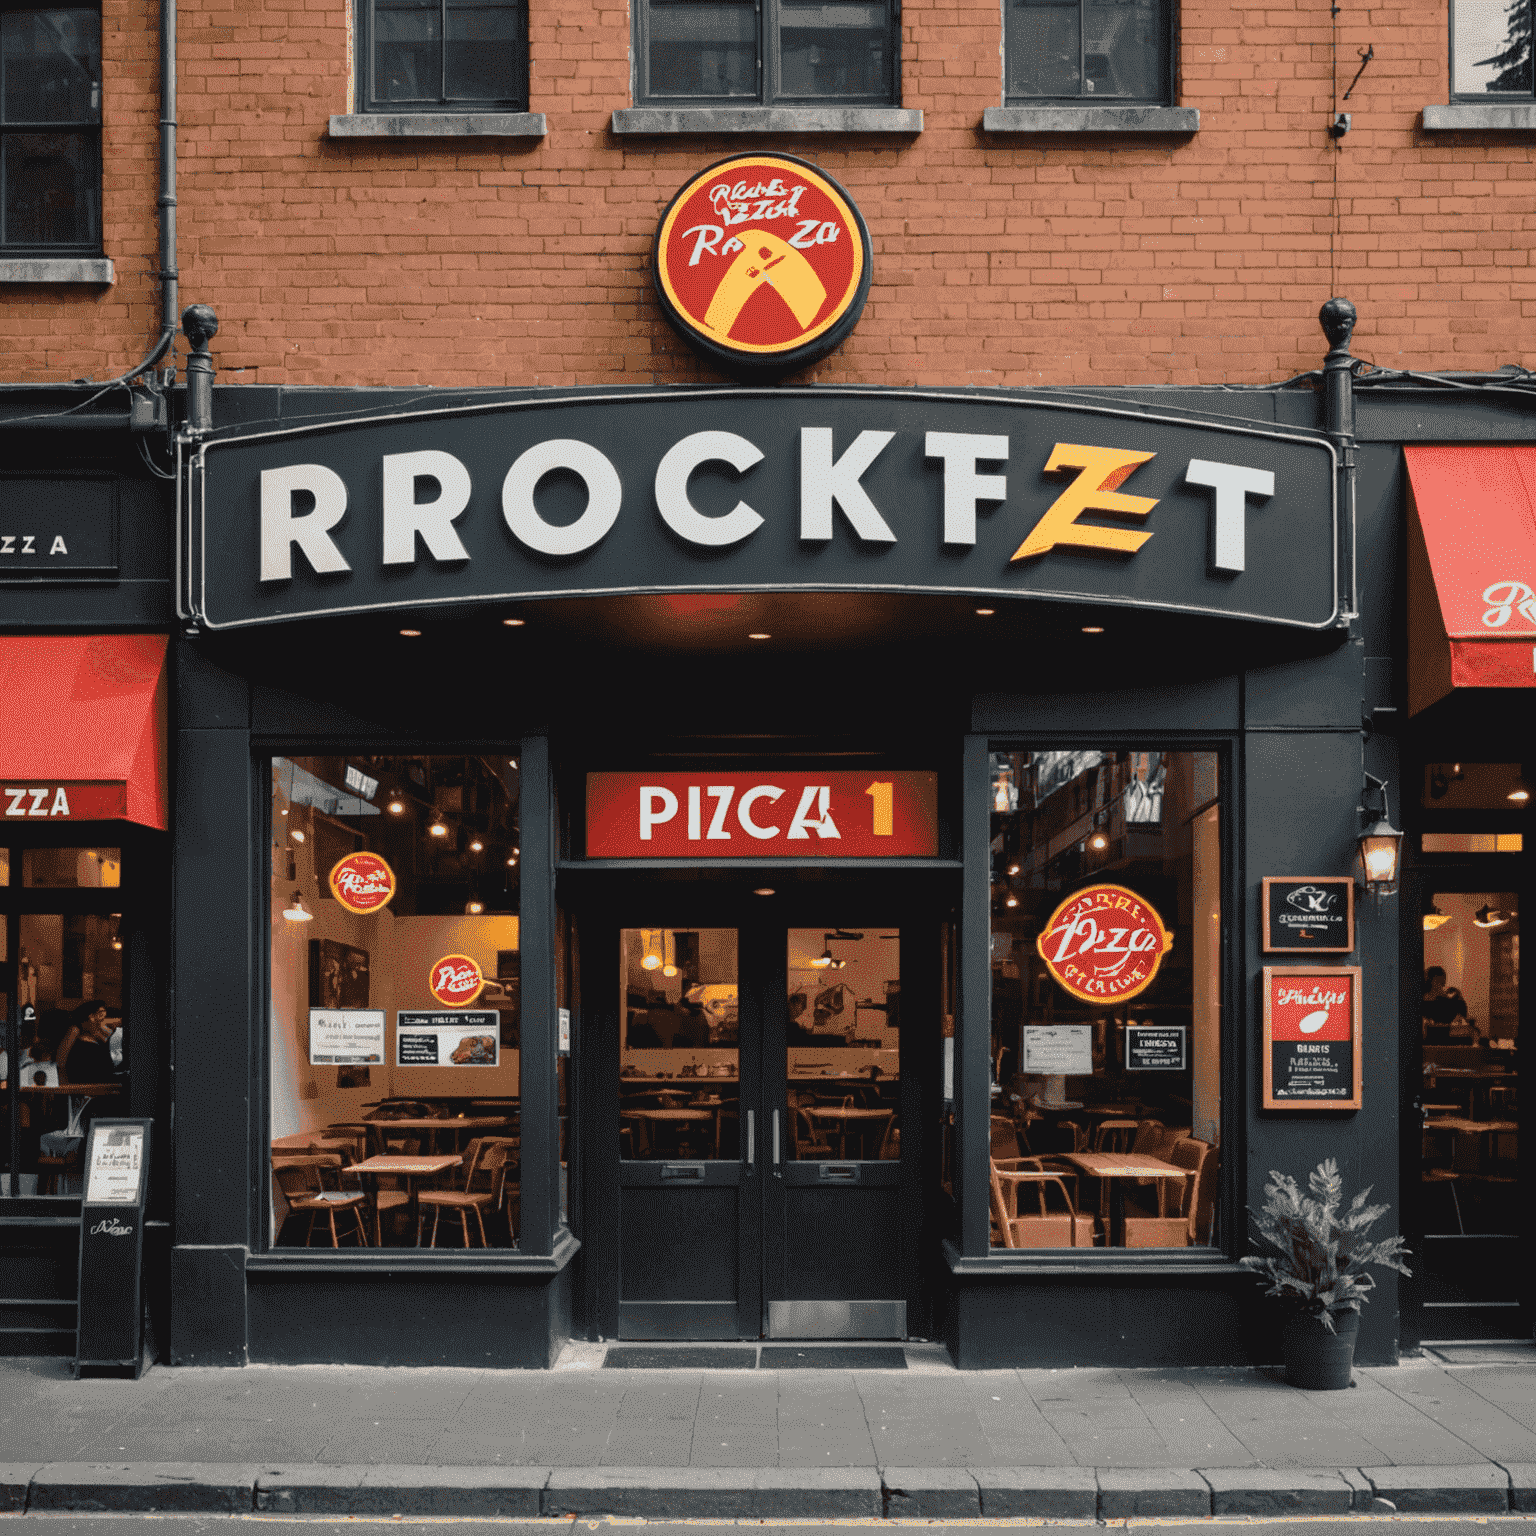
x: 619, y: 673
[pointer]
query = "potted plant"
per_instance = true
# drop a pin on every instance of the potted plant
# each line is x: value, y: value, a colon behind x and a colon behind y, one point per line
x: 1318, y: 1261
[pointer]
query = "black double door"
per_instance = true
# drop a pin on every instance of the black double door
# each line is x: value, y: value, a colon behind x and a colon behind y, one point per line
x: 760, y: 1059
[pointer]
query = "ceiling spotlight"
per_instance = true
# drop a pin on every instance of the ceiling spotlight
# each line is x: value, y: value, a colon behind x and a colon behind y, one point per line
x: 511, y: 863
x: 986, y: 613
x: 296, y: 911
x: 1093, y: 629
x: 1012, y: 901
x: 396, y: 807
x: 759, y: 635
x: 439, y: 827
x: 1013, y: 869
x: 763, y: 890
x: 1435, y: 918
x: 296, y: 834
x: 473, y: 908
x: 411, y: 634
x: 476, y: 846
x: 514, y: 623
x: 1098, y: 842
x: 117, y: 943
x: 1519, y: 796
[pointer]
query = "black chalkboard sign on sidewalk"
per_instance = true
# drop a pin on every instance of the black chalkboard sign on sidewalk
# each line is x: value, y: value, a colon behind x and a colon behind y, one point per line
x: 110, y: 1333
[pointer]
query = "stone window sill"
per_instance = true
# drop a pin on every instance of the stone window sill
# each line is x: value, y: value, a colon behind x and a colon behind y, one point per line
x: 438, y: 125
x: 96, y: 270
x: 1505, y: 116
x: 671, y: 120
x: 1048, y: 119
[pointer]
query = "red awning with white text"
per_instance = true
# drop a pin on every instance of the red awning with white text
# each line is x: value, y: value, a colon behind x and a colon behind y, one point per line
x: 84, y: 729
x: 1471, y: 569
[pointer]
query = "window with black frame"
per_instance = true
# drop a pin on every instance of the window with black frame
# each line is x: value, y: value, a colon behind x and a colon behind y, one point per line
x: 769, y: 52
x: 1106, y: 999
x: 50, y: 130
x: 446, y: 55
x: 1081, y: 52
x: 1491, y: 50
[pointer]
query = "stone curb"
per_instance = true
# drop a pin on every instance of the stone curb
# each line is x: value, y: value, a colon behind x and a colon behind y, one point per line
x: 1482, y: 1490
x: 765, y: 1493
x: 699, y: 1493
x: 1261, y: 1491
x: 177, y: 1487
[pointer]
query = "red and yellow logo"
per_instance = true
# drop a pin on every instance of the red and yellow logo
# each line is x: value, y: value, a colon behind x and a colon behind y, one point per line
x: 1104, y: 944
x: 762, y: 263
x: 455, y: 981
x: 362, y: 882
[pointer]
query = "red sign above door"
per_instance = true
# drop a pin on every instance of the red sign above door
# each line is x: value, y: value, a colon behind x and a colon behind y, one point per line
x: 874, y: 813
x: 63, y: 802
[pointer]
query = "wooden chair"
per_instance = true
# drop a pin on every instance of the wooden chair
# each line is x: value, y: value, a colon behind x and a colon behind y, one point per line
x: 810, y: 1144
x: 489, y: 1162
x: 1042, y: 1228
x: 302, y: 1180
x: 1005, y: 1137
x: 1180, y: 1229
x: 1114, y: 1135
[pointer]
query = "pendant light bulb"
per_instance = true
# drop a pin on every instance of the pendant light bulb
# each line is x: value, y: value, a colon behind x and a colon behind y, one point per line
x: 296, y: 911
x: 439, y: 827
x: 1435, y: 918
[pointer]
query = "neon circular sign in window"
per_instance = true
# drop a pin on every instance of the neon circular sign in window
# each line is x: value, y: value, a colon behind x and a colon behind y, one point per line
x: 1104, y: 944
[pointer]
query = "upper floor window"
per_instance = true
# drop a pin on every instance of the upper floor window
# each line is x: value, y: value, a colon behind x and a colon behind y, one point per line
x: 446, y: 55
x: 1491, y: 49
x: 769, y: 52
x: 50, y: 130
x: 1087, y: 51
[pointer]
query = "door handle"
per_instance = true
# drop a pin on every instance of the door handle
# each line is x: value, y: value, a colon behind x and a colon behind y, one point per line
x: 839, y: 1173
x: 751, y: 1138
x: 775, y: 1138
x: 682, y: 1170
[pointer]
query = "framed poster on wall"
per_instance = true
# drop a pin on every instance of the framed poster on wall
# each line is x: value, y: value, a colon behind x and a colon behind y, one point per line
x: 1312, y: 1037
x: 1309, y: 914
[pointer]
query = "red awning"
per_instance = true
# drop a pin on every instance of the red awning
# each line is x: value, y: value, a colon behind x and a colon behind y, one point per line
x: 1471, y: 570
x: 84, y: 735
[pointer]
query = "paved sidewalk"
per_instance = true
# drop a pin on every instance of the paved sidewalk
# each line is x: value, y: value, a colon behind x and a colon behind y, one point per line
x: 1454, y: 1432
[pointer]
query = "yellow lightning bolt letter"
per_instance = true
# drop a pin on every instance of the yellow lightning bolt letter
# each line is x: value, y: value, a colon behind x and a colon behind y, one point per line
x: 1100, y: 470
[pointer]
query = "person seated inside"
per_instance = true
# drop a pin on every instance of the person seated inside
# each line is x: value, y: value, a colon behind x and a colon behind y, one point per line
x: 84, y: 1054
x: 1442, y: 1007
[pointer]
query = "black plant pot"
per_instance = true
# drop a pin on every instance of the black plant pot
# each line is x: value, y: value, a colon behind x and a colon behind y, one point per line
x: 1316, y: 1359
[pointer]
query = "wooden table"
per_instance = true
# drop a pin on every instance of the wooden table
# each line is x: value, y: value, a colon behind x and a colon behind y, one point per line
x: 677, y: 1117
x: 1460, y: 1125
x: 76, y: 1090
x: 378, y: 1128
x: 410, y: 1169
x: 862, y: 1118
x: 1109, y: 1166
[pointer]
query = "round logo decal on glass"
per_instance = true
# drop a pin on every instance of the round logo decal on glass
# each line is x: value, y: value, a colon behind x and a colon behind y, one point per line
x: 1104, y: 944
x: 455, y: 981
x: 762, y: 264
x: 362, y: 882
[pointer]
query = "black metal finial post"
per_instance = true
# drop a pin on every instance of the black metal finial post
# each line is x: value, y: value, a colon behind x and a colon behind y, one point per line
x: 1337, y: 318
x: 199, y: 325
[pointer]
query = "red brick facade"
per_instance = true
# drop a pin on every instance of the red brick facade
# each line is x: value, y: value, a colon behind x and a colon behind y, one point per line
x: 1056, y: 259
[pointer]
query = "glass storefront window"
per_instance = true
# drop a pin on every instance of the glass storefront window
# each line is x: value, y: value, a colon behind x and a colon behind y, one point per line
x: 1106, y: 998
x: 78, y: 869
x: 395, y: 1000
x: 1474, y: 787
x: 1472, y: 842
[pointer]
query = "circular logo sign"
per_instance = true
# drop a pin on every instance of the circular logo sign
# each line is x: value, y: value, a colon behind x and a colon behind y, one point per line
x: 455, y: 981
x: 1104, y: 944
x: 362, y: 882
x: 762, y: 263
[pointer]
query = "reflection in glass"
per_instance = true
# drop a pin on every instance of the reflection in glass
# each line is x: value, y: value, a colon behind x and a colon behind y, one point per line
x: 844, y: 1044
x: 50, y: 66
x: 833, y: 51
x: 1107, y: 49
x: 72, y: 868
x: 679, y: 1077
x: 1492, y: 47
x: 1107, y: 1131
x: 703, y: 48
x: 440, y: 51
x: 51, y: 183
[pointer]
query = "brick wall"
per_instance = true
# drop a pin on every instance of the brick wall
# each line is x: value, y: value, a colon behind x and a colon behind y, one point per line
x: 1023, y: 261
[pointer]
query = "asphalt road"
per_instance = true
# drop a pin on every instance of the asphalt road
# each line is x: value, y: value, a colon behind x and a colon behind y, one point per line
x: 263, y: 1525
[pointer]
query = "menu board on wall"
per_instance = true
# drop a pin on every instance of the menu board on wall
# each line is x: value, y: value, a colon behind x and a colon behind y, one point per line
x: 1156, y: 1048
x: 1312, y: 1037
x: 447, y: 1039
x: 1058, y: 1049
x: 346, y: 1037
x: 1309, y: 914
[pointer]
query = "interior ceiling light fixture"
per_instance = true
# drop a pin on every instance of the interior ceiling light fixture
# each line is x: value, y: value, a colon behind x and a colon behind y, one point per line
x: 296, y: 834
x: 759, y: 635
x: 1519, y: 796
x: 473, y: 908
x: 1488, y: 916
x: 396, y: 807
x: 1013, y: 869
x: 763, y: 890
x: 985, y: 613
x: 1012, y: 901
x: 439, y: 827
x: 512, y: 862
x: 296, y: 911
x: 411, y: 634
x: 476, y: 846
x: 1098, y: 842
x: 1093, y: 629
x: 514, y: 623
x: 1435, y: 918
